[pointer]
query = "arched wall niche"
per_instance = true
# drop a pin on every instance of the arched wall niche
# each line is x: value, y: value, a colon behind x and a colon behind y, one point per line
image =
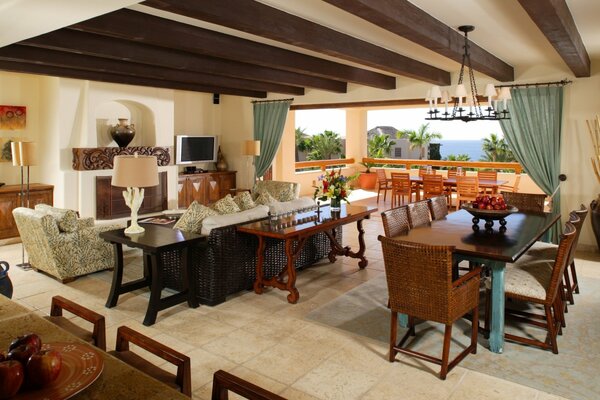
x: 108, y: 113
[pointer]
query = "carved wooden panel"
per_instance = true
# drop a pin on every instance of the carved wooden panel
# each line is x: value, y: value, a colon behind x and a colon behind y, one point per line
x: 110, y: 203
x: 89, y: 159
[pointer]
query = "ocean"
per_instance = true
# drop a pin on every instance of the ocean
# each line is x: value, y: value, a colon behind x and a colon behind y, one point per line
x: 470, y: 147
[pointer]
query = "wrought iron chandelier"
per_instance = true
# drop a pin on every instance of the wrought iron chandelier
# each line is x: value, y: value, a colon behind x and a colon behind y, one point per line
x: 496, y: 109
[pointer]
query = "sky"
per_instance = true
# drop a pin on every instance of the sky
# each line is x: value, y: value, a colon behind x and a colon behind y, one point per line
x: 316, y: 121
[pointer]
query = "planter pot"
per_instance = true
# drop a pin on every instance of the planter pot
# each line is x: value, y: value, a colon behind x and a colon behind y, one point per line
x: 122, y: 133
x: 595, y: 218
x: 367, y: 180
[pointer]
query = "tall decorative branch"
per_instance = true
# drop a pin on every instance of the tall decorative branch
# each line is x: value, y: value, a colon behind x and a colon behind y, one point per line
x: 594, y: 130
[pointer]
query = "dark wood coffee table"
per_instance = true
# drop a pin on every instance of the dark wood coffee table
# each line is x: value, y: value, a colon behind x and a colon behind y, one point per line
x: 155, y: 241
x: 299, y: 227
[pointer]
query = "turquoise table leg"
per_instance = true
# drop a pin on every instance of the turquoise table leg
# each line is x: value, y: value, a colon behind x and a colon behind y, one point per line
x: 497, y: 329
x: 403, y: 320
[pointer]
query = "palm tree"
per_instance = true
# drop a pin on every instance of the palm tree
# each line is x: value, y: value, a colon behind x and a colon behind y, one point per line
x: 458, y: 157
x: 380, y: 146
x: 419, y: 138
x: 496, y: 149
x: 325, y: 145
x: 301, y: 142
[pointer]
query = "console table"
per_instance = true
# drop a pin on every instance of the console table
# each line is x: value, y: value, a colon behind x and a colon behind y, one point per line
x: 10, y: 198
x: 204, y: 187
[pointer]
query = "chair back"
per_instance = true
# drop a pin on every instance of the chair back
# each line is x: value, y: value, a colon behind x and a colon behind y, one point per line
x: 452, y: 173
x: 467, y: 186
x: 418, y: 213
x: 381, y: 178
x: 433, y: 185
x: 438, y: 206
x: 562, y: 256
x: 224, y: 382
x: 525, y: 201
x: 423, y: 171
x: 419, y: 278
x: 515, y: 187
x: 395, y: 221
x: 401, y: 182
x: 488, y: 175
x: 581, y: 215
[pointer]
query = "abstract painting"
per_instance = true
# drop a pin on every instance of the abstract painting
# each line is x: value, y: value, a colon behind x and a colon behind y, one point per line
x: 13, y: 117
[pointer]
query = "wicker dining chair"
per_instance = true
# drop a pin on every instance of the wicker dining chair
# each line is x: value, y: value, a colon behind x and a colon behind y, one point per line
x: 433, y: 185
x: 525, y: 201
x: 438, y: 207
x: 97, y: 336
x: 537, y: 281
x: 418, y: 213
x: 467, y: 189
x: 420, y: 285
x: 383, y: 183
x: 401, y: 187
x: 395, y: 221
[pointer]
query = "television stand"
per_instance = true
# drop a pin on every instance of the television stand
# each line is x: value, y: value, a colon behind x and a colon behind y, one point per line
x: 205, y: 188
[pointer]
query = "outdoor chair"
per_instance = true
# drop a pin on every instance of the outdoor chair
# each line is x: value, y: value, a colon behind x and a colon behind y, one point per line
x: 383, y: 183
x: 420, y: 285
x: 467, y: 189
x: 418, y: 213
x: 395, y: 221
x: 537, y: 281
x: 512, y: 188
x: 525, y: 201
x: 401, y: 187
x: 433, y: 185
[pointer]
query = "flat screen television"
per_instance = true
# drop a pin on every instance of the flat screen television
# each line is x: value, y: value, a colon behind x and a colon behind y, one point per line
x: 195, y: 149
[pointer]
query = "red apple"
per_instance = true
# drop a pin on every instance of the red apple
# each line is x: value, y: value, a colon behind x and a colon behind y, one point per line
x: 11, y: 378
x: 43, y: 367
x: 28, y: 338
x: 22, y: 353
x: 482, y: 206
x: 497, y: 207
x: 489, y: 207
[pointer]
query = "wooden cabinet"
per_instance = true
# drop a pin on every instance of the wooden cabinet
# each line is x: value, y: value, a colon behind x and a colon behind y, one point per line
x: 205, y: 188
x: 10, y: 198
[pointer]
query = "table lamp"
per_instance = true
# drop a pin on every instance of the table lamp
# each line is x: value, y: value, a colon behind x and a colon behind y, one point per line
x: 251, y: 149
x: 134, y: 173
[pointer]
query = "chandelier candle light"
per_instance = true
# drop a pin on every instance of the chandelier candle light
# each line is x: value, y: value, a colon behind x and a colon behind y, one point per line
x: 494, y: 111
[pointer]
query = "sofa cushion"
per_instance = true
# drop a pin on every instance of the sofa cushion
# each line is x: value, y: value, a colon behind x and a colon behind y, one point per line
x: 281, y: 191
x: 265, y: 198
x: 217, y: 221
x: 226, y: 205
x: 244, y: 201
x: 191, y: 220
x: 65, y: 219
x: 281, y: 207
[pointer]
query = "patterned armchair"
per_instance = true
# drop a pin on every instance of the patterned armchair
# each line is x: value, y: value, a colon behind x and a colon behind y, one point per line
x: 62, y: 245
x: 281, y: 191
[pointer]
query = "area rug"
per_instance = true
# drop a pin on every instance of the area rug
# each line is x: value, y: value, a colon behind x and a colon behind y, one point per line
x: 572, y: 373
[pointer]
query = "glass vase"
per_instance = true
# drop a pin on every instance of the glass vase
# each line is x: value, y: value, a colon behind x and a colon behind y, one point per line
x: 336, y: 204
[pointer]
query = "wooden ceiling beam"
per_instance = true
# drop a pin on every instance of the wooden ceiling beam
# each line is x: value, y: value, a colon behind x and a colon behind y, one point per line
x: 407, y: 20
x: 259, y: 19
x: 55, y: 58
x: 554, y: 19
x: 123, y: 79
x: 148, y: 29
x: 118, y: 49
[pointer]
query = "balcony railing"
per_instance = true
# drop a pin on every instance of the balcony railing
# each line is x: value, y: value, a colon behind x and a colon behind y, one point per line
x: 324, y: 164
x: 441, y: 163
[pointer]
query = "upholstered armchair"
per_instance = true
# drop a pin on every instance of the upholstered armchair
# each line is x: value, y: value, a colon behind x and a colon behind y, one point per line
x: 61, y: 244
x: 280, y: 190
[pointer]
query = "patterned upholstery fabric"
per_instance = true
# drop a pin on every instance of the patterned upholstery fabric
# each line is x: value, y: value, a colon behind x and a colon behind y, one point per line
x: 66, y: 219
x: 281, y: 191
x: 63, y: 255
x: 244, y: 201
x: 546, y: 251
x: 226, y: 205
x: 265, y: 198
x: 191, y: 220
x: 528, y: 277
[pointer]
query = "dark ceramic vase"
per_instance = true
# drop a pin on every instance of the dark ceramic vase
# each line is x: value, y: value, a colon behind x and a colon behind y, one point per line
x: 6, y: 287
x: 122, y: 133
x: 595, y: 218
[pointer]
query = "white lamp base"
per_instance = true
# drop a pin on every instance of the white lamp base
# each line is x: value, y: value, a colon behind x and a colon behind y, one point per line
x: 134, y: 229
x: 133, y: 198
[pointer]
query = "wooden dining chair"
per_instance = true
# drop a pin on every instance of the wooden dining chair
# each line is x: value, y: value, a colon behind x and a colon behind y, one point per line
x: 383, y: 183
x: 97, y: 336
x: 537, y: 281
x: 433, y: 185
x: 395, y: 221
x: 224, y: 382
x: 420, y: 285
x: 467, y: 189
x: 418, y: 213
x: 511, y: 188
x: 490, y: 176
x: 401, y: 187
x: 181, y: 381
x: 438, y: 207
x: 525, y: 201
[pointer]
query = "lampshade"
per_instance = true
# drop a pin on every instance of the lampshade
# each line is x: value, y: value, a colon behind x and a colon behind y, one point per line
x: 490, y: 90
x: 436, y: 92
x: 135, y: 171
x: 15, y: 149
x: 252, y: 148
x: 28, y: 154
x: 446, y: 96
x: 461, y: 91
x: 504, y: 93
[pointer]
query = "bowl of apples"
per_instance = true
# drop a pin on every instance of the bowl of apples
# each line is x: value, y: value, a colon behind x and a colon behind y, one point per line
x: 490, y: 209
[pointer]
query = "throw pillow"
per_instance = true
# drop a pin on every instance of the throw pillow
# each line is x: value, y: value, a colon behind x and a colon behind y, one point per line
x: 265, y: 198
x: 65, y: 219
x: 226, y: 205
x: 244, y: 201
x: 191, y: 220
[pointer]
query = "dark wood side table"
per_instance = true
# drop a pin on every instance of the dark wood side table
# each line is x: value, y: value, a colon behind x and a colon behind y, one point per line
x: 155, y: 241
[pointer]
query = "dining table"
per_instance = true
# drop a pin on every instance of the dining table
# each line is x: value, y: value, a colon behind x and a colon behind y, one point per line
x: 484, y: 184
x: 492, y: 248
x: 116, y: 380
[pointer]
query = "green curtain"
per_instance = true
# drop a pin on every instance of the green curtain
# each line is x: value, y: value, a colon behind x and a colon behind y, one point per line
x: 534, y: 133
x: 269, y: 120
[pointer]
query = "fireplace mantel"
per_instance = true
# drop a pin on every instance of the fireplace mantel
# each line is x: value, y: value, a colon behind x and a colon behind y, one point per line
x: 96, y: 158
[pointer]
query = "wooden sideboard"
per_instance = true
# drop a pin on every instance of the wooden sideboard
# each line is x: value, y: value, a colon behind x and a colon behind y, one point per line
x: 205, y: 188
x: 10, y: 198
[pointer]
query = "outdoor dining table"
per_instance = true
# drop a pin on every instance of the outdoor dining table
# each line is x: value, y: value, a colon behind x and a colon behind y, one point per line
x: 492, y: 249
x: 492, y: 184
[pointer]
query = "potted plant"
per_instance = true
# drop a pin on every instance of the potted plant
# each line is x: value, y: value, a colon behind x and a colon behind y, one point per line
x: 367, y: 179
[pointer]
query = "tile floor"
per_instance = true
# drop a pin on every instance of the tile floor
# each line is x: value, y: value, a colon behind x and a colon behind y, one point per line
x: 267, y: 341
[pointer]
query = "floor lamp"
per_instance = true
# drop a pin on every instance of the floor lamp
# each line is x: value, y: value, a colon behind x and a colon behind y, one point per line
x: 251, y: 149
x: 23, y: 155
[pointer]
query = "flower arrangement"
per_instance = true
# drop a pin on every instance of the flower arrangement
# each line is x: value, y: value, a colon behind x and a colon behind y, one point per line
x: 333, y: 185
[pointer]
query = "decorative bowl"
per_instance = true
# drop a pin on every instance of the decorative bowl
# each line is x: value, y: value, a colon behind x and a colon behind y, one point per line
x: 489, y: 216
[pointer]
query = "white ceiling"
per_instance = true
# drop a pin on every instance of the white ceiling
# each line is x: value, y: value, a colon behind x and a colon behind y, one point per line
x: 502, y: 26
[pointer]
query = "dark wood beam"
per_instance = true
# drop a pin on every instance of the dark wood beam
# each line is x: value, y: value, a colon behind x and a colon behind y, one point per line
x: 148, y: 29
x: 407, y: 20
x: 554, y: 19
x: 259, y: 19
x: 124, y: 79
x: 55, y: 58
x: 118, y: 49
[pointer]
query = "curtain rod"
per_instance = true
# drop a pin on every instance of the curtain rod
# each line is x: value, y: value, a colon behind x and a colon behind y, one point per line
x: 564, y: 82
x: 271, y: 101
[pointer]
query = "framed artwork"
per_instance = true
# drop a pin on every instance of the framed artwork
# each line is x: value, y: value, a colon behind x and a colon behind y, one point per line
x: 5, y: 152
x: 13, y: 117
